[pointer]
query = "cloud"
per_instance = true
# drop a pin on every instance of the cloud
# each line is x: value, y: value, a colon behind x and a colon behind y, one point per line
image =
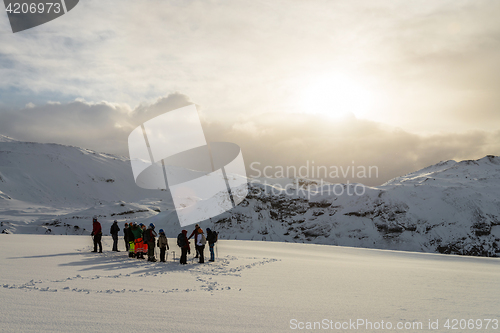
x: 437, y: 62
x: 298, y: 140
x: 423, y: 59
x: 100, y: 126
x: 272, y: 139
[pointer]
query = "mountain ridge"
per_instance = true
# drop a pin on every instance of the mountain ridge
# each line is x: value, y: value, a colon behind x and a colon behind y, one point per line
x: 448, y: 207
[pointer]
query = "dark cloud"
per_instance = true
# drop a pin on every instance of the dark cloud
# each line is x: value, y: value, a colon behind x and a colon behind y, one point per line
x: 99, y: 126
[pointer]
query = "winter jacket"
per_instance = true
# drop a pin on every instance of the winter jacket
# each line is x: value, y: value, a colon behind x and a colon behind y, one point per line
x: 96, y: 228
x: 114, y: 229
x: 186, y: 241
x: 125, y: 233
x: 151, y: 235
x: 195, y: 232
x: 130, y: 234
x: 162, y: 241
x: 211, y: 237
x: 200, y: 238
x: 137, y: 232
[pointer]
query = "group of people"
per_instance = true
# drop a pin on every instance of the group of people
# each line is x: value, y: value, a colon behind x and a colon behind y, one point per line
x: 199, y: 242
x: 140, y: 241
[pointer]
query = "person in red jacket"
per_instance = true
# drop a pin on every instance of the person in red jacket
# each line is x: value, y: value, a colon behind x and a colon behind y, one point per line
x: 195, y: 233
x: 96, y: 234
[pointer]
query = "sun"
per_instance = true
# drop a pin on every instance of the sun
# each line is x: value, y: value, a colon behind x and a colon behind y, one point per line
x: 335, y: 96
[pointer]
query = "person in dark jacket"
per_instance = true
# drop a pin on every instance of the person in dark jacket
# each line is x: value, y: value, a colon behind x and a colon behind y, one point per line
x: 144, y: 250
x: 131, y: 239
x: 185, y: 248
x: 114, y: 234
x: 211, y: 239
x: 163, y: 245
x: 138, y: 241
x: 125, y: 236
x: 151, y: 241
x: 96, y: 234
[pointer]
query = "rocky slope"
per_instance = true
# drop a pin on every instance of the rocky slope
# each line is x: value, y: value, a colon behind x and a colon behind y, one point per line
x: 449, y: 207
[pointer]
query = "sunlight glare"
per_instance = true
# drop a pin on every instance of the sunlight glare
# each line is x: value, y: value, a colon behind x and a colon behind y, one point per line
x: 335, y: 96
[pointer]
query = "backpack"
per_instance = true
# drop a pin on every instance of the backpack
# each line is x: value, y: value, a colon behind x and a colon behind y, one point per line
x: 212, y: 236
x: 147, y: 236
x: 181, y: 242
x: 203, y: 239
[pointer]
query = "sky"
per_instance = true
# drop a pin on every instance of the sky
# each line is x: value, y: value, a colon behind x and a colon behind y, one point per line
x: 394, y: 84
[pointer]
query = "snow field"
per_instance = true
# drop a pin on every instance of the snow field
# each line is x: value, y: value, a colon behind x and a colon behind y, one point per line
x: 54, y: 283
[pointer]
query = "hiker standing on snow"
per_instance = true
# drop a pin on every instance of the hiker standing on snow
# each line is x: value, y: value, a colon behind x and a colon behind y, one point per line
x: 149, y: 238
x: 211, y: 239
x: 144, y: 244
x: 200, y: 242
x: 114, y: 234
x: 97, y: 234
x: 183, y: 243
x: 131, y: 239
x: 163, y: 245
x: 194, y: 233
x: 125, y: 236
x: 138, y: 243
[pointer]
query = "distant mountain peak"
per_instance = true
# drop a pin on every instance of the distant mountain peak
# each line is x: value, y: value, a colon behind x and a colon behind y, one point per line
x: 5, y: 138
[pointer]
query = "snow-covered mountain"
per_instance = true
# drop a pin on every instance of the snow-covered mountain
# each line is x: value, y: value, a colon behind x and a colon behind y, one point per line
x: 450, y: 207
x: 50, y: 188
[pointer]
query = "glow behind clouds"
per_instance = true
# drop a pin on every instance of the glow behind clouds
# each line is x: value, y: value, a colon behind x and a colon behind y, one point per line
x: 335, y: 95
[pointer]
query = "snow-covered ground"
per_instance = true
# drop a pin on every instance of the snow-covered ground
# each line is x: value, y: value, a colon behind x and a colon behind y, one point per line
x: 55, y: 284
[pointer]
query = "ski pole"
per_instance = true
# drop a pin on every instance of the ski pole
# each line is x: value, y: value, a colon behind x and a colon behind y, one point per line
x: 217, y: 250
